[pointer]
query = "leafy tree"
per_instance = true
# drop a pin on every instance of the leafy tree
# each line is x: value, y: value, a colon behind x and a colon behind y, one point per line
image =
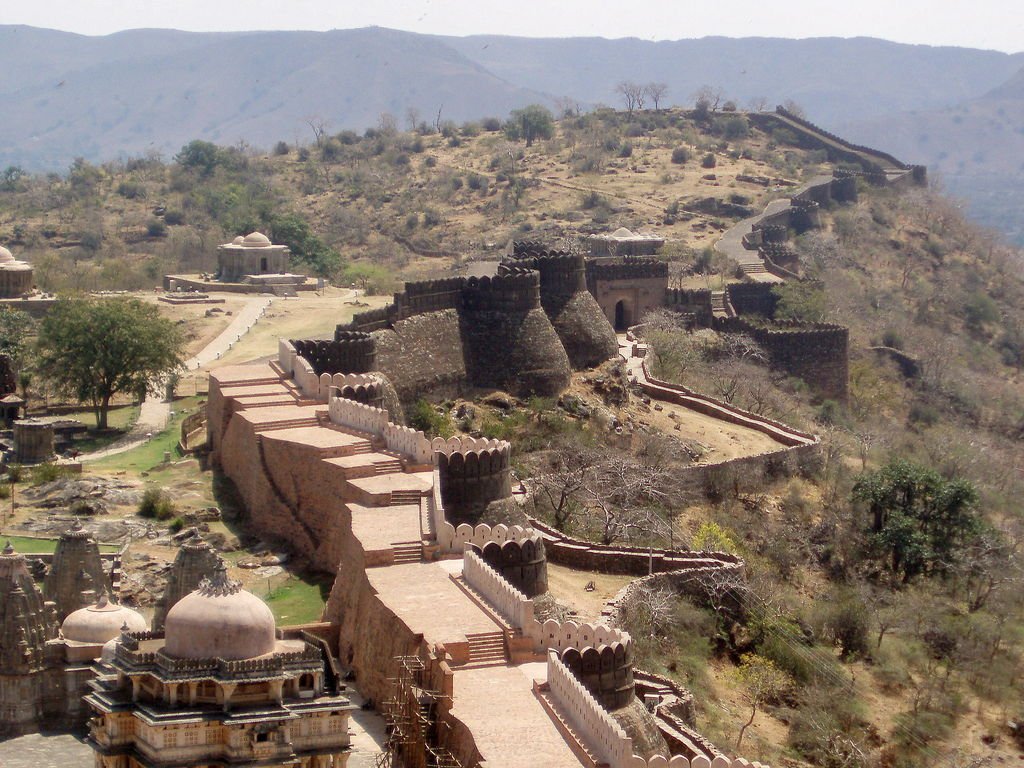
x: 293, y: 231
x: 15, y: 326
x: 762, y: 683
x: 530, y: 123
x: 201, y: 156
x: 800, y: 301
x: 94, y: 349
x: 920, y: 520
x: 10, y: 178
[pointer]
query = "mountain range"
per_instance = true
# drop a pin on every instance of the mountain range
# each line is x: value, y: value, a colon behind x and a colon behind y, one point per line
x: 64, y: 95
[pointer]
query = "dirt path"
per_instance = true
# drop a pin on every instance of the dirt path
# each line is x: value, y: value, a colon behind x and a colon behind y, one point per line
x: 722, y: 440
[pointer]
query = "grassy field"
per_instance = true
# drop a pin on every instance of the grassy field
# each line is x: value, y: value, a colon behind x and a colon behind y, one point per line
x: 296, y: 601
x: 31, y: 546
x: 150, y: 454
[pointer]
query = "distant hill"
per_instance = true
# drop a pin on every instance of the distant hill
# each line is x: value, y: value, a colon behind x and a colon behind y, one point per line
x: 834, y: 79
x: 66, y: 95
x: 976, y: 147
x: 99, y: 98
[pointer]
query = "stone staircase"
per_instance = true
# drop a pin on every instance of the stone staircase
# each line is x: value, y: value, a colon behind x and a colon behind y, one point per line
x: 401, y: 498
x: 718, y: 304
x: 407, y: 552
x: 387, y: 466
x: 486, y: 647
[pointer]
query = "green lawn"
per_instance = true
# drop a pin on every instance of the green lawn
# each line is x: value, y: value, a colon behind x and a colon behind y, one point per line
x: 296, y: 601
x: 29, y: 546
x: 148, y: 455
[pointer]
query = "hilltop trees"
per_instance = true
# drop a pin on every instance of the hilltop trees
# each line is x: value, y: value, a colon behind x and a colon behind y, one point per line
x: 94, y: 349
x: 529, y: 124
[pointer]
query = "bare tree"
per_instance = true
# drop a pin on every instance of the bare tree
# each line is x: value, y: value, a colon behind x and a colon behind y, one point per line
x: 792, y: 107
x: 759, y: 104
x: 632, y: 95
x: 657, y: 92
x: 319, y: 127
x: 650, y: 611
x: 412, y: 118
x: 708, y: 98
x: 560, y: 487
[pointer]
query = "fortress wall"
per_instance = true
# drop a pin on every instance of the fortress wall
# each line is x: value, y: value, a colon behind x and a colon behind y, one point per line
x: 808, y: 125
x: 818, y: 354
x: 752, y: 298
x: 423, y: 355
x: 695, y: 301
x: 510, y: 341
x: 640, y: 284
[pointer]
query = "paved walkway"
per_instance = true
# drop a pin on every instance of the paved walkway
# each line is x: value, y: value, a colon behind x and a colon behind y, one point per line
x: 36, y: 750
x: 731, y: 242
x: 155, y: 410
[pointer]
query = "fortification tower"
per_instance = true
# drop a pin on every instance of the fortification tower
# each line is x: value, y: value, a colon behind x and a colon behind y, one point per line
x: 585, y: 333
x: 76, y: 574
x: 194, y: 562
x: 512, y: 344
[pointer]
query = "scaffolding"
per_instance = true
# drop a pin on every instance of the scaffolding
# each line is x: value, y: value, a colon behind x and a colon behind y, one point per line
x: 410, y: 712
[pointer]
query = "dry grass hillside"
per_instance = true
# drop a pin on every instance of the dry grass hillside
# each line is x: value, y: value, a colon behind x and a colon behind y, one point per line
x: 894, y: 641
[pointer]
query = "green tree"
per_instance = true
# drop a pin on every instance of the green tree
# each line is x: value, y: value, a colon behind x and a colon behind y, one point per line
x: 800, y: 301
x: 761, y: 683
x: 292, y: 230
x: 920, y: 521
x: 15, y: 327
x: 530, y: 123
x: 201, y: 156
x: 94, y: 349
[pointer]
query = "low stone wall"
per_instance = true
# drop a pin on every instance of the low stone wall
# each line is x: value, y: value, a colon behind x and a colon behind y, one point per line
x: 513, y: 606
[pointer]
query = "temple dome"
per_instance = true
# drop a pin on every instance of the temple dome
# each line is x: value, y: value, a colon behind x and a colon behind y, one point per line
x: 101, y: 622
x: 256, y: 240
x: 6, y: 257
x: 622, y: 232
x: 219, y: 620
x: 238, y: 240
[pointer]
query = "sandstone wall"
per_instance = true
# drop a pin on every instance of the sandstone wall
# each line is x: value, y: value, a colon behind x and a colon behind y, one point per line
x: 423, y: 355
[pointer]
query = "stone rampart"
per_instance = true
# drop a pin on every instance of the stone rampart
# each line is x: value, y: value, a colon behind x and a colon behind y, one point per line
x: 473, y: 472
x: 424, y: 356
x: 578, y: 320
x: 625, y: 268
x: 695, y: 301
x: 349, y: 352
x: 883, y: 157
x: 752, y: 298
x: 513, y: 606
x: 818, y: 353
x: 522, y: 563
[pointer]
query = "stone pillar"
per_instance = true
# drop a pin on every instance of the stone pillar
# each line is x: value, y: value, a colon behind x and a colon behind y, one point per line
x: 33, y: 441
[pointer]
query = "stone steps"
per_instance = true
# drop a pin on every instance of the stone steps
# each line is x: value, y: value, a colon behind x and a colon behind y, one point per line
x: 407, y: 552
x: 486, y: 646
x: 387, y: 467
x: 401, y: 498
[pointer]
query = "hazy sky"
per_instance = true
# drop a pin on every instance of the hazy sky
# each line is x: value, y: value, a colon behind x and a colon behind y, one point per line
x: 996, y: 24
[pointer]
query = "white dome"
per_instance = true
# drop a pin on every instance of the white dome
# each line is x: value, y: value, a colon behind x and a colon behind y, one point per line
x: 219, y: 620
x: 101, y: 622
x: 238, y: 240
x: 6, y: 257
x: 256, y: 240
x: 109, y: 650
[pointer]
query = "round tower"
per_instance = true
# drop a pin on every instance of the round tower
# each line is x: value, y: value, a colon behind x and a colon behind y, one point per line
x: 585, y: 332
x: 511, y: 342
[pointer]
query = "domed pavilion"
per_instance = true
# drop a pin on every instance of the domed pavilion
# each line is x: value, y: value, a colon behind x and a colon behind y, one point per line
x: 221, y: 685
x: 254, y: 258
x: 15, y: 276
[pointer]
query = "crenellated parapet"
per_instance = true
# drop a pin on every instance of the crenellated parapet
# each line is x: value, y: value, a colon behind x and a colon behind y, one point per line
x: 626, y: 268
x: 348, y: 352
x: 473, y: 472
x: 514, y: 290
x: 601, y: 657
